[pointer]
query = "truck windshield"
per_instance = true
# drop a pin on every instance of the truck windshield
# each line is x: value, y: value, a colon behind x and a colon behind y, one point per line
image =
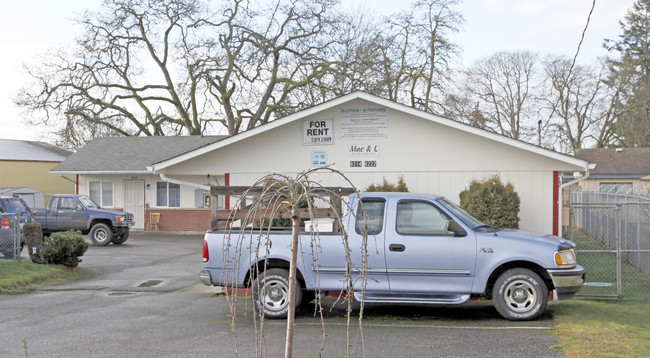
x: 461, y: 214
x: 88, y: 202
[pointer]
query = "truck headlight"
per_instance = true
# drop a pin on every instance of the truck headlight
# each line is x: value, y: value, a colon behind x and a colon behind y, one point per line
x: 565, y: 258
x: 119, y: 218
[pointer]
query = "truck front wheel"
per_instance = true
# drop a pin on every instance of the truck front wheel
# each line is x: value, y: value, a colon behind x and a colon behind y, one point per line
x: 121, y: 237
x: 520, y: 295
x: 271, y: 293
x: 101, y: 234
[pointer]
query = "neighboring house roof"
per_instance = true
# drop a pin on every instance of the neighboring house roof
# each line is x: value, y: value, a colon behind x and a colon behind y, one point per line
x: 128, y: 155
x: 30, y: 151
x: 337, y: 102
x: 613, y: 163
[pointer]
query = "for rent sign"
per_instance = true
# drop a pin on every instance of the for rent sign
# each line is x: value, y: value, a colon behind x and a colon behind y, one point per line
x: 318, y: 131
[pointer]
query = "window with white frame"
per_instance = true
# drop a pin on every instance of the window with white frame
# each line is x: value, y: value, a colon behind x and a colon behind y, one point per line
x: 168, y: 194
x: 616, y: 188
x: 101, y: 192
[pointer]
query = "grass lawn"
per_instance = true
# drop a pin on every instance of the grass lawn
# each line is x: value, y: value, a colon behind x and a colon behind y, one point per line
x: 603, y: 328
x: 24, y: 275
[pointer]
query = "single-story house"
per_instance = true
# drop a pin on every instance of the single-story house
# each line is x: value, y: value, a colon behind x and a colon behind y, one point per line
x: 25, y: 164
x: 618, y: 170
x: 365, y: 137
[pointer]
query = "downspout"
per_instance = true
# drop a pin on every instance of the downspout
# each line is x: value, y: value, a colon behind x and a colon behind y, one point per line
x: 185, y: 183
x: 559, y: 202
x: 76, y: 183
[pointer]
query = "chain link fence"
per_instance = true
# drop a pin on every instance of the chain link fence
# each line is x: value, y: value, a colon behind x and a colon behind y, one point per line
x: 10, y: 236
x: 612, y: 233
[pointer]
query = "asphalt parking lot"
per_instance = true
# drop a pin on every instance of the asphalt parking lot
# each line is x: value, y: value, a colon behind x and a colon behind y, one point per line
x: 144, y: 299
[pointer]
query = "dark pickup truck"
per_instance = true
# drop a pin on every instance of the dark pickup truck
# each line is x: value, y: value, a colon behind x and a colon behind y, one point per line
x: 79, y: 212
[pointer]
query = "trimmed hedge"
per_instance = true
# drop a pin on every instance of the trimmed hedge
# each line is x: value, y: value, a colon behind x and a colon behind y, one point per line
x: 385, y: 186
x: 492, y: 202
x: 64, y: 248
x: 34, y: 240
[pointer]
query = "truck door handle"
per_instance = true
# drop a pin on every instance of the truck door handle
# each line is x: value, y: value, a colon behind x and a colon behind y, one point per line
x: 397, y: 247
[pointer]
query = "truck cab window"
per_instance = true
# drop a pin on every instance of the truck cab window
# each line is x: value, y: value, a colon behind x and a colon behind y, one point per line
x: 373, y: 220
x: 420, y: 218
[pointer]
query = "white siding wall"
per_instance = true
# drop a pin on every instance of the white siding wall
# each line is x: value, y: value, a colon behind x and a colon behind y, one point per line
x: 432, y: 157
x: 186, y: 194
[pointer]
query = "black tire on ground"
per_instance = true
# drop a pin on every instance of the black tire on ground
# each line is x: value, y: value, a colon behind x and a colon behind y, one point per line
x: 271, y: 293
x: 101, y: 234
x: 120, y: 239
x: 520, y: 295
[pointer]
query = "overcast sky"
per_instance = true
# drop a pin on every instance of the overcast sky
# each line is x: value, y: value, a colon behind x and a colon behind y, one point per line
x: 544, y: 26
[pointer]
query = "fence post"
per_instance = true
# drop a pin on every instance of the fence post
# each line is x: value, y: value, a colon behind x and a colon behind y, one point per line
x: 619, y: 266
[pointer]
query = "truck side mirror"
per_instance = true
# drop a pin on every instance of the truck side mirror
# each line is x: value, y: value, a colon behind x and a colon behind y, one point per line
x: 456, y: 229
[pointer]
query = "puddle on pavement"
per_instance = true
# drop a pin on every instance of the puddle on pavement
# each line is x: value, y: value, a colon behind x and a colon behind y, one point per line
x: 150, y: 283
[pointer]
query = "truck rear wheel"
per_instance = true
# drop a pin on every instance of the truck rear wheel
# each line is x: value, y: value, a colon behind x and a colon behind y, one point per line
x: 271, y: 293
x: 520, y: 295
x: 101, y: 234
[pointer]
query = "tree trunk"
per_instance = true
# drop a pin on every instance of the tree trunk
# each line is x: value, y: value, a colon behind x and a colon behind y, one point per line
x: 295, y: 231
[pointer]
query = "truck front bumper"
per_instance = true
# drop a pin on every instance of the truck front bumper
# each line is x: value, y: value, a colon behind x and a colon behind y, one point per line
x: 567, y: 282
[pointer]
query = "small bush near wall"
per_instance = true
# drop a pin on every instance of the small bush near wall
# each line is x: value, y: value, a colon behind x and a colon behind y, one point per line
x: 385, y: 186
x: 492, y: 202
x: 34, y: 240
x: 64, y: 248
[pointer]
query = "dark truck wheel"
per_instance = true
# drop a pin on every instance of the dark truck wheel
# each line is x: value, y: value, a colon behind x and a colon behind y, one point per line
x: 520, y: 295
x: 101, y: 234
x: 271, y: 293
x: 118, y: 240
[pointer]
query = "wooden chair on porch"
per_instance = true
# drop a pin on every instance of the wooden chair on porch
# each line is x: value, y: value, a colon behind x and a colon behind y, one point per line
x: 152, y: 224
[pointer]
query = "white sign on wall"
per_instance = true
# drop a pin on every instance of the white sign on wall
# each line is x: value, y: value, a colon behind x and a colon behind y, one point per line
x: 363, y: 150
x: 364, y: 123
x: 318, y: 158
x: 318, y: 131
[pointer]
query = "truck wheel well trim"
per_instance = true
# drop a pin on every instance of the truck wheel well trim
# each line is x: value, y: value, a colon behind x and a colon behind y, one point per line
x: 258, y: 268
x: 94, y: 221
x: 518, y: 264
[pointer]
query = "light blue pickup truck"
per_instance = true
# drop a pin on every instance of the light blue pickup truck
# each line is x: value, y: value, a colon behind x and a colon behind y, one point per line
x: 421, y: 249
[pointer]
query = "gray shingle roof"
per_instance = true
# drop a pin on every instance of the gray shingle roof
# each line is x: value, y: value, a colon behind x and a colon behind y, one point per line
x: 630, y: 162
x: 23, y: 150
x: 129, y: 154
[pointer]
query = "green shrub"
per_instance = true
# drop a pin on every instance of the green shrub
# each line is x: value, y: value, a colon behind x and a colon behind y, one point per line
x: 385, y: 186
x: 34, y: 240
x: 492, y: 202
x: 64, y: 248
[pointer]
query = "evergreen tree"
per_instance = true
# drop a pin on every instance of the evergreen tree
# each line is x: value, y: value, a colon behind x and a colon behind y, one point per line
x: 633, y: 69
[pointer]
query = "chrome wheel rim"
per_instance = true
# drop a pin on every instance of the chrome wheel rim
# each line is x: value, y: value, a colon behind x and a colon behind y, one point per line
x: 520, y: 295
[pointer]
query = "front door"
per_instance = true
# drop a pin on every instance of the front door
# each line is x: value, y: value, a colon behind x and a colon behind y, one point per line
x: 134, y: 201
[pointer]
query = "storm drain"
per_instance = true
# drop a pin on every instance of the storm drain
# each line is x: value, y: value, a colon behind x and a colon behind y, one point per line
x: 150, y: 283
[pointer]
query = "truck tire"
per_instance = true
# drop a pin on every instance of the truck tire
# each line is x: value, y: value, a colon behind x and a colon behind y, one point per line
x: 101, y: 234
x: 520, y: 295
x: 271, y: 293
x: 121, y: 238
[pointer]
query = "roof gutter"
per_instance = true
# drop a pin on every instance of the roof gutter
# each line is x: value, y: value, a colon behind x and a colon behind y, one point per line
x: 559, y: 202
x: 185, y: 183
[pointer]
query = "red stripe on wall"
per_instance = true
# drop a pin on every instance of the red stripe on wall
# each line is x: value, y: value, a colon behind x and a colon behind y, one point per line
x: 227, y: 199
x: 556, y: 201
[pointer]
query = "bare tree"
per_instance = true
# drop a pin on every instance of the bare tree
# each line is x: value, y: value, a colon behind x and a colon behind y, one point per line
x: 503, y: 85
x: 277, y: 192
x: 581, y: 106
x: 180, y: 67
